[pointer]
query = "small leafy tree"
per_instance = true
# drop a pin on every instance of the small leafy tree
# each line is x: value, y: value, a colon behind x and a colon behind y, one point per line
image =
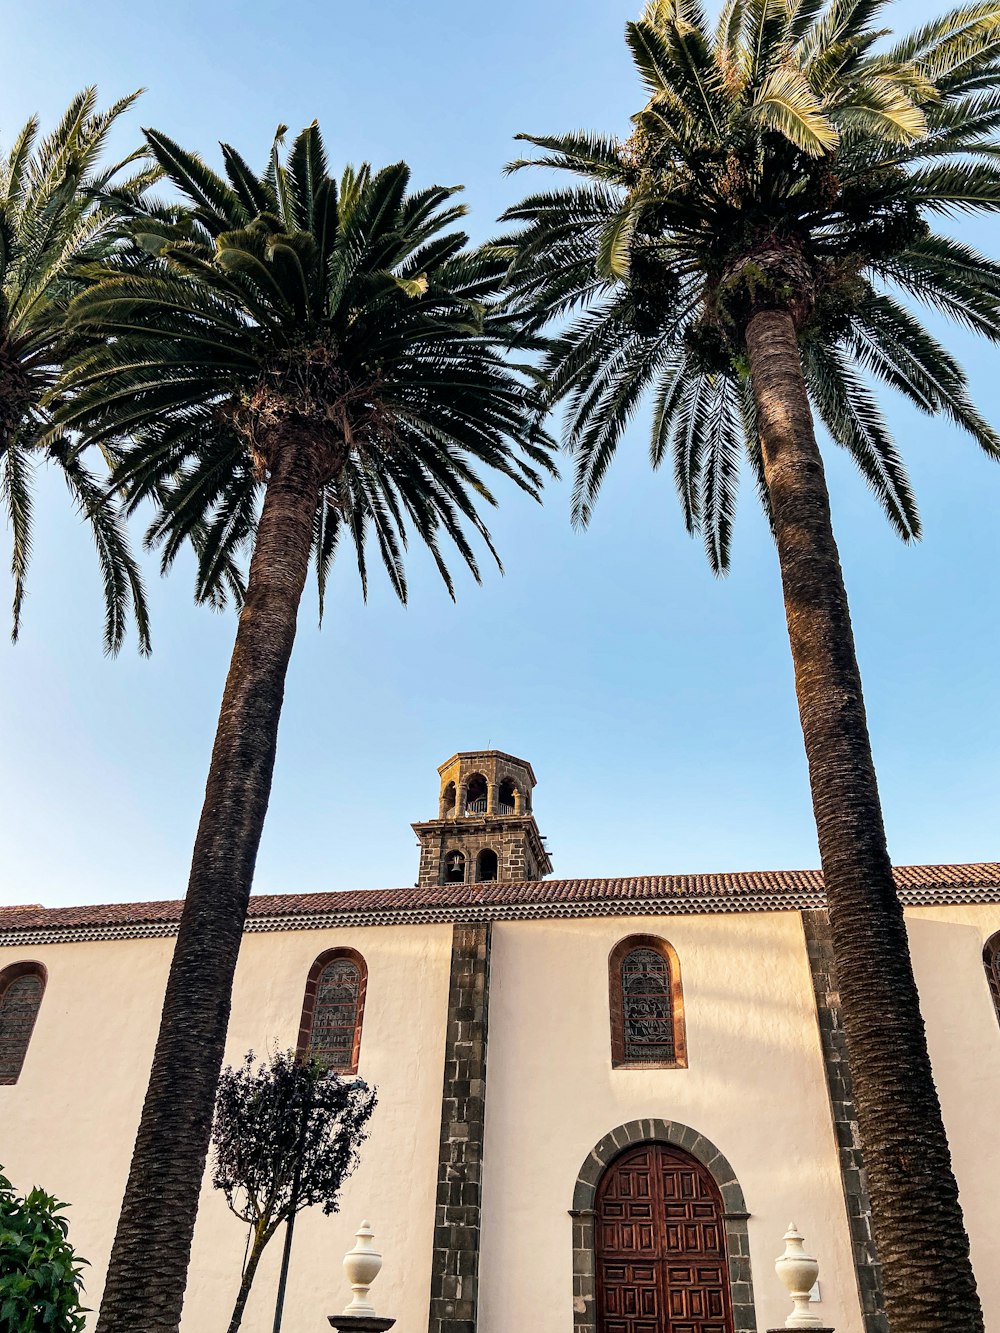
x: 286, y: 1136
x: 40, y: 1276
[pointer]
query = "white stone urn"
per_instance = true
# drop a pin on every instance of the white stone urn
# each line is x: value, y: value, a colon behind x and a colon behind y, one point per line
x: 362, y: 1266
x: 798, y: 1271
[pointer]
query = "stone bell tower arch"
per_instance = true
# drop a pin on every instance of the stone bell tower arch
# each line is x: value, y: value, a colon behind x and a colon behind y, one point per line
x: 485, y: 830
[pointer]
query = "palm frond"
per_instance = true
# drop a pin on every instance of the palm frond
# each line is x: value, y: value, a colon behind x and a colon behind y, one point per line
x: 61, y: 207
x: 720, y: 473
x: 851, y: 415
x: 888, y: 341
x: 955, y: 187
x: 597, y: 155
x: 791, y: 157
x: 15, y: 491
x: 786, y: 104
x: 124, y: 593
x: 287, y: 304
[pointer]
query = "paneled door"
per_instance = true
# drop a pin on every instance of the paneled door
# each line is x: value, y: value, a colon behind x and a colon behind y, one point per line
x: 661, y: 1246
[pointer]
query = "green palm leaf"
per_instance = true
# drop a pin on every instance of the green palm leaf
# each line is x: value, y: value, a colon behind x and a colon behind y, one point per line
x: 850, y: 413
x: 786, y: 104
x: 786, y: 138
x: 283, y: 297
x: 615, y: 250
x: 60, y: 206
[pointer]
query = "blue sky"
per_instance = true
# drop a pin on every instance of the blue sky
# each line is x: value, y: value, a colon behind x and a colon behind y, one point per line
x: 654, y: 701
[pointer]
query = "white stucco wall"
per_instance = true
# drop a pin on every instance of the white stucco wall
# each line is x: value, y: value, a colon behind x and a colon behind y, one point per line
x: 69, y: 1122
x: 755, y: 1086
x: 963, y: 1037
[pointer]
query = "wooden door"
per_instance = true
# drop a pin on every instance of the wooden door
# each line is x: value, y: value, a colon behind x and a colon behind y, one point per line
x: 661, y: 1247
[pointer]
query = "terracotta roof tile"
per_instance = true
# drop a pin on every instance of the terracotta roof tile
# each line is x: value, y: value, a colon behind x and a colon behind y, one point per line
x: 755, y: 885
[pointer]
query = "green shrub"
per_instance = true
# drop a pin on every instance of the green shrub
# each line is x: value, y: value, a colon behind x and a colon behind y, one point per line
x: 40, y: 1278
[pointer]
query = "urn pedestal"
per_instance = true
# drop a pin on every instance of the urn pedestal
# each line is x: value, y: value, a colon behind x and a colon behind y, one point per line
x: 798, y: 1272
x: 362, y: 1266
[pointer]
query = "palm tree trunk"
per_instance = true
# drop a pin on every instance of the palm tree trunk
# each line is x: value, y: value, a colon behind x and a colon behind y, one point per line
x: 916, y: 1217
x: 149, y: 1261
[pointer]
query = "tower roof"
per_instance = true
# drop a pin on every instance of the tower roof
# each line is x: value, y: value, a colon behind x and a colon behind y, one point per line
x: 490, y: 754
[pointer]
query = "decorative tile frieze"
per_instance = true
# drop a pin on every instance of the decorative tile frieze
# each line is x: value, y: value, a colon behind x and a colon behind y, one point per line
x: 687, y: 906
x: 691, y: 895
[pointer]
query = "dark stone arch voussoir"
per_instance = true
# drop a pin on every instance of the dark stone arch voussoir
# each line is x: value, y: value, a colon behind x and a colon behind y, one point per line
x: 657, y: 1131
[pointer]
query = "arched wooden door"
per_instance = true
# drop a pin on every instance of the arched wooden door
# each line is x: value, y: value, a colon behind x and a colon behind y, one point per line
x: 661, y: 1246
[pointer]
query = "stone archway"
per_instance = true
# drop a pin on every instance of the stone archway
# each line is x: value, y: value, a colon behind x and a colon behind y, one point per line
x: 583, y: 1212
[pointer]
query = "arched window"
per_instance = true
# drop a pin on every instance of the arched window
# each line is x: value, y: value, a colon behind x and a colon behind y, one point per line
x: 991, y: 959
x: 333, y: 1010
x: 448, y: 799
x: 647, y: 1005
x: 476, y: 794
x: 486, y: 866
x: 508, y: 798
x: 22, y: 986
x: 454, y: 868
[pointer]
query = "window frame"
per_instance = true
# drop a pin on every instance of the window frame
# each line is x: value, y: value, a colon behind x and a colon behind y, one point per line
x: 8, y: 975
x: 617, y: 1002
x: 304, y: 1042
x: 991, y: 961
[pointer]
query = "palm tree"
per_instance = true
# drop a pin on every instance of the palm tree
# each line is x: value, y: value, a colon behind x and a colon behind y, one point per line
x: 746, y: 257
x: 279, y: 362
x: 58, y: 208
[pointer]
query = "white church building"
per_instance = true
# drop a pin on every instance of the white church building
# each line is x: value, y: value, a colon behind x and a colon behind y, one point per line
x: 600, y: 1101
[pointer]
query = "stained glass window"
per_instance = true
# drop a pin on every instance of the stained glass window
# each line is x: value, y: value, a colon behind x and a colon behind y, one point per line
x: 647, y: 1004
x: 20, y: 998
x: 647, y: 1008
x: 333, y: 1011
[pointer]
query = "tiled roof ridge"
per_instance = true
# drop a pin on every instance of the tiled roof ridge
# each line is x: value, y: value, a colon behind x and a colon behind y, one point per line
x: 754, y: 885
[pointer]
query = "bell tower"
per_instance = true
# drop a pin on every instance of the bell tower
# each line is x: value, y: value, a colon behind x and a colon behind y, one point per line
x: 485, y: 830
